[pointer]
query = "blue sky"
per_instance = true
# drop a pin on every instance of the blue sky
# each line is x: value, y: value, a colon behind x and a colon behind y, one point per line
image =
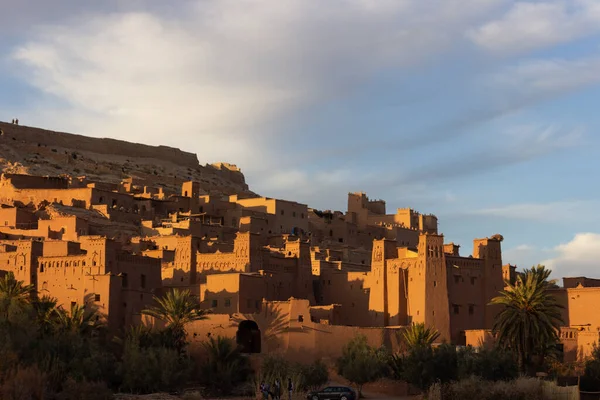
x: 481, y: 112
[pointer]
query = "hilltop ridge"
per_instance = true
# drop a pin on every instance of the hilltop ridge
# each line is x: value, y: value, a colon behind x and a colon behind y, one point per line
x: 36, y: 151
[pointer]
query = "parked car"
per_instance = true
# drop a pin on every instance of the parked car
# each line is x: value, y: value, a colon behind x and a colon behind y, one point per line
x: 333, y: 392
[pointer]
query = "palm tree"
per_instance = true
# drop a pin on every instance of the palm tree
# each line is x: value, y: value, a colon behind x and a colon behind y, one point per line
x: 530, y: 317
x: 224, y: 366
x: 46, y: 312
x: 14, y: 295
x: 77, y: 320
x: 177, y: 309
x: 418, y: 335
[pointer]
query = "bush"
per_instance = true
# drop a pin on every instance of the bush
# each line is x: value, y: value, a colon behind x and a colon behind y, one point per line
x: 224, y: 366
x: 361, y: 363
x: 152, y: 369
x: 476, y: 388
x: 489, y: 364
x: 25, y: 383
x: 74, y: 390
x: 276, y: 366
x: 314, y: 375
x: 421, y: 366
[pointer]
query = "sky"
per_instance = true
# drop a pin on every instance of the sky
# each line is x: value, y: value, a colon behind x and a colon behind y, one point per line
x: 482, y: 112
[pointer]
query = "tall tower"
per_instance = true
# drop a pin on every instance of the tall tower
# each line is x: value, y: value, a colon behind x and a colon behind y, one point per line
x: 303, y: 285
x: 383, y: 250
x: 490, y: 251
x: 427, y: 286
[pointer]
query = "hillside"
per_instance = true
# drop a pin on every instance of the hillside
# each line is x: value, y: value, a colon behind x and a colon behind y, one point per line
x: 34, y: 151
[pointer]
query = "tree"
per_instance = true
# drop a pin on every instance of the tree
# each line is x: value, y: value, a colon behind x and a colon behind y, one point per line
x: 224, y: 366
x: 361, y: 363
x: 530, y: 316
x: 177, y: 309
x: 418, y: 335
x: 45, y: 313
x: 14, y: 295
x: 77, y: 320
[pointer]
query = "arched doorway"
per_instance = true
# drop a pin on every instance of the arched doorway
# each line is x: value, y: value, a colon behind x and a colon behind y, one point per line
x: 248, y: 337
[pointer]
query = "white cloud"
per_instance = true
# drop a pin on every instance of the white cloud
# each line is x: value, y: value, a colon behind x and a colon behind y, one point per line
x: 537, y: 24
x: 523, y: 256
x: 214, y: 75
x: 541, y: 78
x: 560, y: 211
x: 578, y: 257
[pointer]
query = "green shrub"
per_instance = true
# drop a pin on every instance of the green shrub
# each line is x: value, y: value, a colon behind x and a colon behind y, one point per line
x: 224, y: 367
x: 489, y: 364
x: 313, y: 375
x: 152, y: 369
x: 361, y: 363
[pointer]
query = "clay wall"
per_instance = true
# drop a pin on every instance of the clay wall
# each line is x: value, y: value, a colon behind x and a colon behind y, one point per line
x: 407, y: 217
x: 20, y: 181
x: 577, y: 303
x: 480, y: 338
x: 428, y: 223
x: 452, y: 249
x: 78, y: 197
x: 13, y: 217
x: 139, y: 279
x: 63, y: 228
x: 59, y: 248
x: 398, y: 296
x: 128, y: 216
x: 184, y: 263
x: 489, y: 250
x: 403, y: 236
x: 289, y: 215
x: 287, y: 329
x: 20, y: 257
x: 430, y: 285
x: 233, y: 293
x: 106, y: 146
x: 465, y: 296
x: 573, y: 282
x: 509, y: 273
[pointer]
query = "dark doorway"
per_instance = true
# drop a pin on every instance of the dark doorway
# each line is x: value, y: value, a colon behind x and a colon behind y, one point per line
x: 248, y: 337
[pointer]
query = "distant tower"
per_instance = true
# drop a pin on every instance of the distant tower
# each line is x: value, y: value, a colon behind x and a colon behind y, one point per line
x: 427, y: 286
x: 490, y: 251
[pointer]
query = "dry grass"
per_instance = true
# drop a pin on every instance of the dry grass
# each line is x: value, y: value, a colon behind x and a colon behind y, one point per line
x: 474, y: 388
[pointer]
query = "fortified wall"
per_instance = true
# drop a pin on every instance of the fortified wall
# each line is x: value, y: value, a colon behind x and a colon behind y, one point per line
x: 34, y: 151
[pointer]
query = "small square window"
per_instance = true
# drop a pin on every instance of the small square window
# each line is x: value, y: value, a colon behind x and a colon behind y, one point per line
x: 214, y: 303
x: 456, y: 309
x: 96, y: 297
x: 300, y: 318
x: 227, y: 302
